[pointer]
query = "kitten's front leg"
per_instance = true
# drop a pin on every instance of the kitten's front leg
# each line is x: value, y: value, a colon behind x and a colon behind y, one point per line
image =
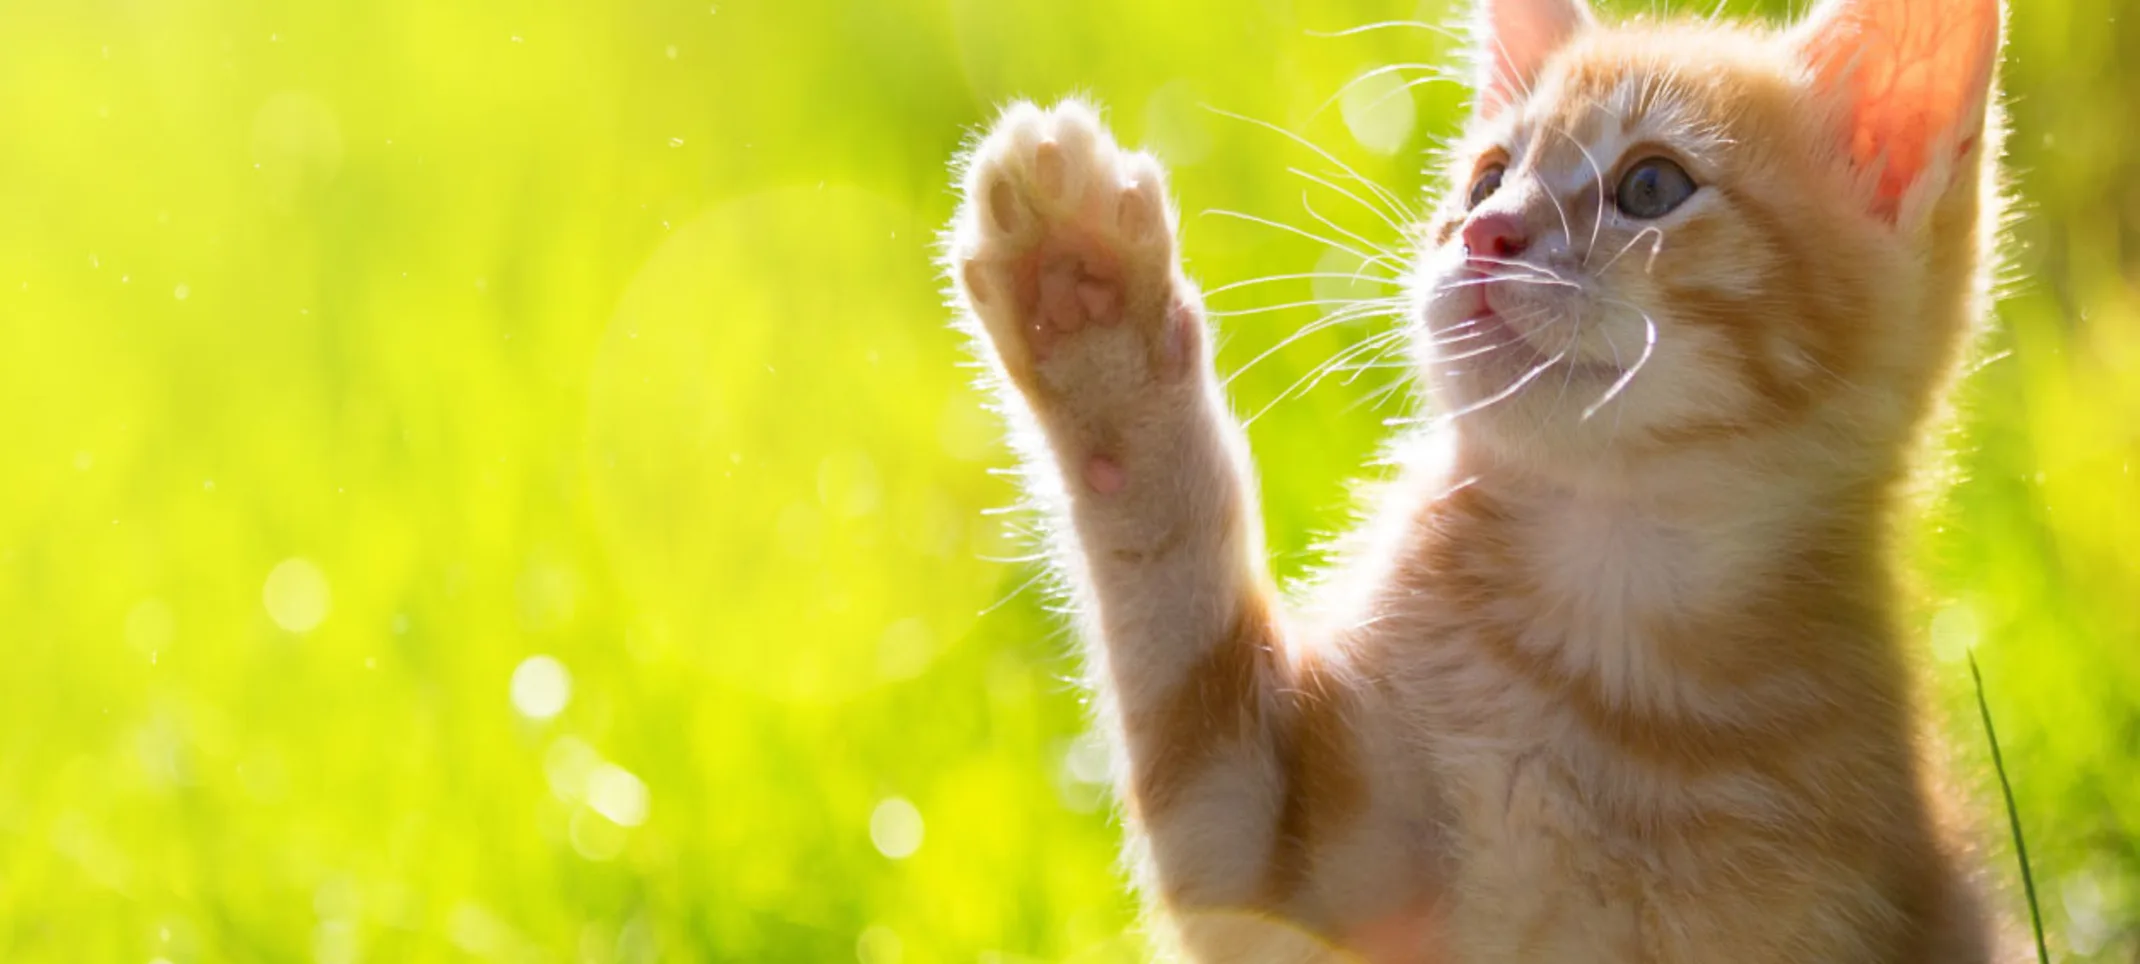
x: 1064, y: 254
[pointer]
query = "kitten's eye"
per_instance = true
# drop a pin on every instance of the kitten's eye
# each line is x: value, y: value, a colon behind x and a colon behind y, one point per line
x: 1653, y: 188
x: 1488, y: 182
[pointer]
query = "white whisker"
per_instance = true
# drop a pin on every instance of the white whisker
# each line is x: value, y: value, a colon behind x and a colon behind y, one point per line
x: 1597, y: 215
x: 1508, y: 278
x: 1383, y: 259
x: 1489, y: 349
x: 1649, y: 344
x: 1631, y: 242
x: 1302, y: 276
x: 1388, y: 197
x: 1409, y: 85
x: 1393, y: 302
x: 1530, y: 266
x: 1513, y: 388
x: 1315, y: 375
x: 1330, y: 320
x: 1333, y: 225
x: 1386, y: 25
x: 1357, y: 81
x: 1388, y: 218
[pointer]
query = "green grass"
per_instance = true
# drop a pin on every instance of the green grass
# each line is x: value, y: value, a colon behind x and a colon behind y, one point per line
x: 610, y: 332
x: 2013, y: 814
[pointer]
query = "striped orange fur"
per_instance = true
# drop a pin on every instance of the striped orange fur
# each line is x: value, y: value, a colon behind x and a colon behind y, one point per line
x: 1616, y: 674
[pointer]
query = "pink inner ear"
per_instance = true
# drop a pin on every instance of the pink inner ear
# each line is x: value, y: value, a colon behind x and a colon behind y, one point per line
x: 1515, y: 38
x: 1914, y: 75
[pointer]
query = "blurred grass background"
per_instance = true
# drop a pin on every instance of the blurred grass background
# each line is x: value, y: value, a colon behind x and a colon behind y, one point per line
x: 493, y: 481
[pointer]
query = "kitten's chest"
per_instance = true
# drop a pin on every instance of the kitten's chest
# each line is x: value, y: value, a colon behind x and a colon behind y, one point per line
x: 1596, y: 573
x: 1566, y: 655
x: 1569, y: 853
x: 1567, y: 608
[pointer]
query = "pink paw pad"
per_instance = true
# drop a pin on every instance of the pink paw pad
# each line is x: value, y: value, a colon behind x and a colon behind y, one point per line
x: 1064, y: 233
x: 1105, y: 475
x: 1072, y: 295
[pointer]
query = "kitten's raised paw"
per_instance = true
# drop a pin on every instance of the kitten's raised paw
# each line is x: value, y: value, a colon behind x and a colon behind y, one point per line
x: 1064, y: 249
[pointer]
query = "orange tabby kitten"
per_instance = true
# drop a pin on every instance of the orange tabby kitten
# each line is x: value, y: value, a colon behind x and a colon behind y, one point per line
x: 1614, y: 675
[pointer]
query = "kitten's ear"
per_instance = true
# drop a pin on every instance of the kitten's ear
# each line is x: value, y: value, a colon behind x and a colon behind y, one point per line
x: 1513, y: 38
x: 1908, y: 82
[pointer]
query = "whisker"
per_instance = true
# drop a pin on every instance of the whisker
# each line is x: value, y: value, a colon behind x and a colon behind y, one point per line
x: 1378, y: 397
x: 1357, y: 81
x: 1416, y: 82
x: 1315, y: 375
x: 1569, y: 378
x: 1393, y: 302
x: 1649, y: 344
x: 1510, y: 279
x: 1614, y: 344
x: 1266, y: 222
x: 1445, y: 342
x: 1631, y: 242
x: 1488, y: 349
x: 1351, y: 351
x: 1333, y: 225
x: 1387, y: 218
x: 1388, y: 197
x: 1371, y: 347
x: 1597, y: 216
x: 1513, y: 321
x: 1386, y: 25
x: 1039, y: 573
x: 1473, y: 353
x: 1375, y: 364
x: 1330, y: 320
x: 1521, y: 83
x: 1497, y: 397
x: 1554, y: 196
x: 1302, y: 276
x: 1380, y: 359
x: 1530, y: 266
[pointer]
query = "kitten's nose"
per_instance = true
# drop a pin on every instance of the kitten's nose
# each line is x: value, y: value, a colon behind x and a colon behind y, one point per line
x: 1495, y: 234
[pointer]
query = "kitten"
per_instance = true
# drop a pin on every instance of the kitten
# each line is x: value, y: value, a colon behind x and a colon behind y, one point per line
x: 1614, y: 673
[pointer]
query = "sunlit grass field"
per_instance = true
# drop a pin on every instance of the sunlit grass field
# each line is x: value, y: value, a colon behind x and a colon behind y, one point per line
x: 494, y: 481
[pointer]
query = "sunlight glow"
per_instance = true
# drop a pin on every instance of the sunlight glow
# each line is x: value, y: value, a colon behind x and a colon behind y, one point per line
x: 895, y: 828
x: 296, y: 595
x: 615, y: 793
x: 1379, y: 112
x: 541, y: 687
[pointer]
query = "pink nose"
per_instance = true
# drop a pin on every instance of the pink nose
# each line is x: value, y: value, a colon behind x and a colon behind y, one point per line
x: 1497, y: 234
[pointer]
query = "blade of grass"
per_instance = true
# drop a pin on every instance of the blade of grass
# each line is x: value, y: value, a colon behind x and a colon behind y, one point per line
x: 2013, y: 813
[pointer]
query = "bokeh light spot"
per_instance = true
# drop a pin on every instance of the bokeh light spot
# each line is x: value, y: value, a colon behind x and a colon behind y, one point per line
x: 1379, y: 112
x: 895, y: 828
x: 879, y: 944
x: 616, y: 793
x: 541, y: 687
x: 296, y: 595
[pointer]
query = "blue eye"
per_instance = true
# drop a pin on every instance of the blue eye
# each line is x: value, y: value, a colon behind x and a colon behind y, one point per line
x: 1653, y: 189
x: 1488, y: 181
